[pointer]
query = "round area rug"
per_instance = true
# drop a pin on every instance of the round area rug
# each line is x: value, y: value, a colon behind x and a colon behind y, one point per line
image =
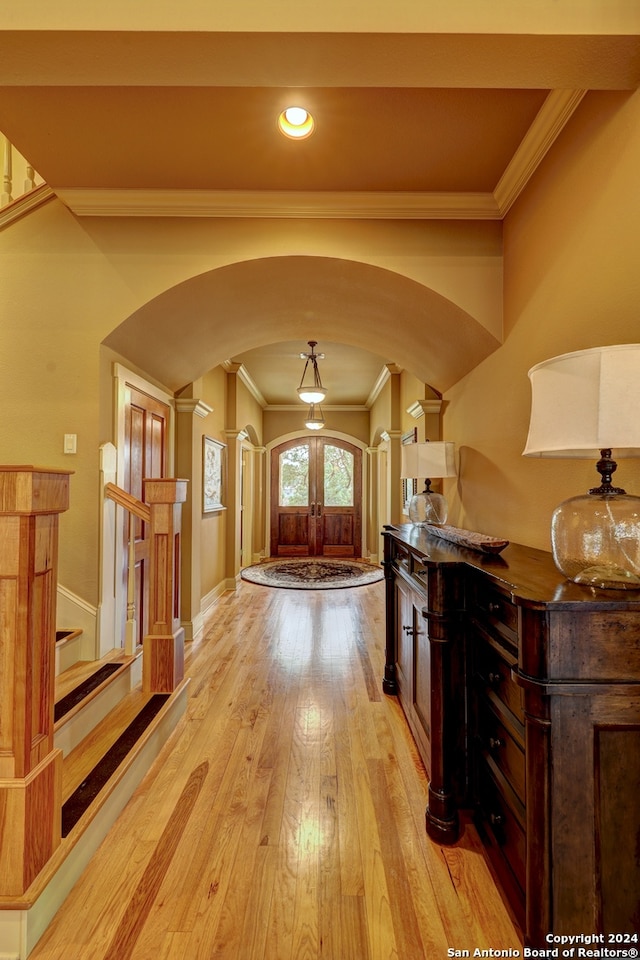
x: 312, y: 573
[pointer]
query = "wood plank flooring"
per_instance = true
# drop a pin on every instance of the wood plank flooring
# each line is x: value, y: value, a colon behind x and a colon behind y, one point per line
x: 284, y: 820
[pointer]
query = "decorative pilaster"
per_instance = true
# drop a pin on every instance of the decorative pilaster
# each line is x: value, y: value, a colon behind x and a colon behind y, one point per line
x: 189, y: 464
x: 31, y: 499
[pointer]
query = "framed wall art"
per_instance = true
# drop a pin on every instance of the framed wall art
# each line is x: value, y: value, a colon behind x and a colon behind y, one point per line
x: 212, y: 475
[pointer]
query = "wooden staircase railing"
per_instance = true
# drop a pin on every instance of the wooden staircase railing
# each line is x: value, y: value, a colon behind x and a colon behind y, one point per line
x: 163, y: 646
x: 31, y: 500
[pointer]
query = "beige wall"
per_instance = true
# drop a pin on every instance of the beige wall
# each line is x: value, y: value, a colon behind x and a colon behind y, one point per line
x: 571, y: 282
x: 439, y: 16
x: 280, y: 423
x: 213, y: 525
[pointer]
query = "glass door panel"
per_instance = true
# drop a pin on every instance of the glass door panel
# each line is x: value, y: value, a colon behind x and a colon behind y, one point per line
x: 338, y: 476
x: 294, y: 476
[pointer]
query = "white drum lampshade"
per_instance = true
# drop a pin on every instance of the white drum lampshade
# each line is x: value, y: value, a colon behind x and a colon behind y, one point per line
x: 587, y: 405
x: 428, y: 461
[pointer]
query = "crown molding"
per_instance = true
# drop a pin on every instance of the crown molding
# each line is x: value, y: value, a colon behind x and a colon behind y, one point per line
x: 25, y: 204
x: 327, y: 407
x: 251, y: 385
x: 195, y: 407
x: 287, y: 204
x: 421, y: 407
x: 551, y: 119
x: 383, y: 376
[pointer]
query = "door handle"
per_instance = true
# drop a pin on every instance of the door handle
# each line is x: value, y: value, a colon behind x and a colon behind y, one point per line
x: 319, y: 509
x: 313, y: 509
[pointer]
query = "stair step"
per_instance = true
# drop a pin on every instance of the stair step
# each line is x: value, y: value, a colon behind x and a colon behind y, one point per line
x: 64, y: 636
x: 70, y: 647
x: 84, y: 689
x: 87, y: 791
x: 88, y: 692
x: 24, y: 919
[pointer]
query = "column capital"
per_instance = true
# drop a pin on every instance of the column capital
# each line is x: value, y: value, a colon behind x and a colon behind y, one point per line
x: 421, y: 407
x: 193, y: 406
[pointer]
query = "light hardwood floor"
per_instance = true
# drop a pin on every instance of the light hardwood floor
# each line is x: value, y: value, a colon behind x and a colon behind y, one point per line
x: 284, y: 820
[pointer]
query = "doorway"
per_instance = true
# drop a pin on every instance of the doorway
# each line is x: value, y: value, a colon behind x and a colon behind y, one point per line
x: 316, y: 498
x: 145, y: 455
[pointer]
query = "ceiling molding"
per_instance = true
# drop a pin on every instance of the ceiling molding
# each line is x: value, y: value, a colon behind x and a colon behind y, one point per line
x: 543, y: 132
x: 327, y: 407
x: 551, y: 119
x: 383, y: 376
x: 250, y: 384
x: 25, y: 204
x: 421, y: 407
x: 90, y: 202
x: 193, y: 406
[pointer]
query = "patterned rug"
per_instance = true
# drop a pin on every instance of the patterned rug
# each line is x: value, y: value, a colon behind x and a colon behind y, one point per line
x: 312, y: 573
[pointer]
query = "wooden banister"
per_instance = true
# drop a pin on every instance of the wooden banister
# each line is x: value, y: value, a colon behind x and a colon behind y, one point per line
x: 128, y: 501
x: 163, y: 645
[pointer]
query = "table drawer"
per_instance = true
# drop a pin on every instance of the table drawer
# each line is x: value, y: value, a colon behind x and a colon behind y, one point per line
x: 494, y: 673
x: 494, y: 611
x: 503, y: 829
x: 498, y: 742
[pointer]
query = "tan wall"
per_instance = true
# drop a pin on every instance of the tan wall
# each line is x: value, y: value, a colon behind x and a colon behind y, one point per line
x: 281, y: 423
x: 571, y: 282
x: 213, y: 525
x: 439, y: 16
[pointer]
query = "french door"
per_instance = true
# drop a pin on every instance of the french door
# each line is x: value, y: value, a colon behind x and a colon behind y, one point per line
x: 316, y: 498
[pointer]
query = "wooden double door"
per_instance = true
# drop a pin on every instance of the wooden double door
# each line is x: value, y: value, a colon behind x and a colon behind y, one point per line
x: 316, y: 498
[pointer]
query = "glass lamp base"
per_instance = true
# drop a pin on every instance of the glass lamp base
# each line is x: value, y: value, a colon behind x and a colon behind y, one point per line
x: 596, y: 540
x: 428, y: 507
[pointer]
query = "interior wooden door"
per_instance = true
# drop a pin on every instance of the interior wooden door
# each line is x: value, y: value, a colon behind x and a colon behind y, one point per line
x: 316, y: 497
x: 145, y: 455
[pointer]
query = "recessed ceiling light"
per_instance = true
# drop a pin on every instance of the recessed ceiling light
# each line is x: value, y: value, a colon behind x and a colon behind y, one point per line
x: 296, y: 122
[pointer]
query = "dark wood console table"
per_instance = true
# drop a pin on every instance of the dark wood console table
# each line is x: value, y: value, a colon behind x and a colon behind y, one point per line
x: 522, y: 691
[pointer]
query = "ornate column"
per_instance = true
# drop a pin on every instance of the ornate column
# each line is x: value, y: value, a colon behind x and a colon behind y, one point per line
x: 233, y: 562
x: 163, y: 646
x: 31, y: 499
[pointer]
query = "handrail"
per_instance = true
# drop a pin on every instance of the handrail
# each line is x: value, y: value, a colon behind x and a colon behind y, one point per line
x: 128, y: 501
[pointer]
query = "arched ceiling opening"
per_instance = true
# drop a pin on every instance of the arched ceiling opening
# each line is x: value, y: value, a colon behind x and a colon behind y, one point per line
x: 196, y: 325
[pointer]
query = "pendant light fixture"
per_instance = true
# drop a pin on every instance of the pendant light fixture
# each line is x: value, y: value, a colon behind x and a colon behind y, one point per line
x: 315, y: 420
x: 312, y: 392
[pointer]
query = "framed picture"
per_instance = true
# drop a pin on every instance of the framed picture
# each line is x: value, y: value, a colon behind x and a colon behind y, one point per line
x: 212, y: 475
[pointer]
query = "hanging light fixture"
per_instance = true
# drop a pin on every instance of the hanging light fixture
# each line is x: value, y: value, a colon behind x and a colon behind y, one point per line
x: 313, y: 392
x: 315, y: 420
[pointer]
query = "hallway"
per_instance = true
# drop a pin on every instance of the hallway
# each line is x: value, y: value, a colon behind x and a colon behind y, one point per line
x: 285, y: 818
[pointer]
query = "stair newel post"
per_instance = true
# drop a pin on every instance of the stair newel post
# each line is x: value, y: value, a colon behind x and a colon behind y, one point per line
x: 163, y: 646
x: 31, y: 499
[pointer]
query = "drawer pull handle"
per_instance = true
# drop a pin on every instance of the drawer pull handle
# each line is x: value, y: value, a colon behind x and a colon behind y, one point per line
x: 494, y: 608
x: 495, y: 679
x: 496, y: 819
x: 495, y: 743
x: 408, y: 630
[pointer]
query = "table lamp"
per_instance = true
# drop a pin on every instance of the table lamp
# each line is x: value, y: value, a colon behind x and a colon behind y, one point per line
x: 429, y: 461
x: 587, y: 405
